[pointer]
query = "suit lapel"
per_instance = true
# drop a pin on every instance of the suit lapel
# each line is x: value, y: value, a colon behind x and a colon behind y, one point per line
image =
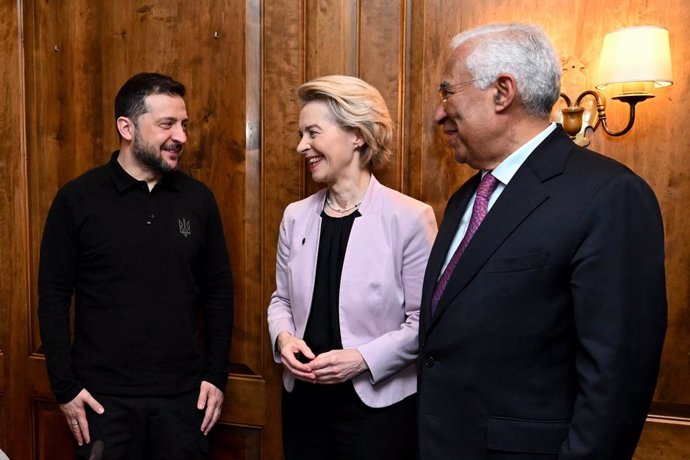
x: 524, y: 194
x: 520, y: 198
x: 449, y: 227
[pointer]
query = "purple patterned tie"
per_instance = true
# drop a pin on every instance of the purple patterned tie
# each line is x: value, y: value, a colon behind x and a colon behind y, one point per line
x: 481, y: 206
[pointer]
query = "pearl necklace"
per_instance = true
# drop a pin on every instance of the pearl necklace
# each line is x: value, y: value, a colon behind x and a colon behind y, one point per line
x: 328, y: 202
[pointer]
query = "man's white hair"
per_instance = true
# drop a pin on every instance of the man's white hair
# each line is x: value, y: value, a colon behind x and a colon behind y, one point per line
x: 521, y: 50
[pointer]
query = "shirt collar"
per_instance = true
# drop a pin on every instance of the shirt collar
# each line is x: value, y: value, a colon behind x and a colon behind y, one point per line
x: 505, y: 171
x: 123, y: 181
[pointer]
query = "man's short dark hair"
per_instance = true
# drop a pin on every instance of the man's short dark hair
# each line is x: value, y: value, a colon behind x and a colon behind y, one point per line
x: 130, y: 100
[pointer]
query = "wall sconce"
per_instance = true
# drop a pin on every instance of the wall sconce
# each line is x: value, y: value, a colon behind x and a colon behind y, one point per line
x: 633, y: 60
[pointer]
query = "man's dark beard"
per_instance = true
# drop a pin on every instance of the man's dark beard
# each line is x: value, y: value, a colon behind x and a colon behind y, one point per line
x: 149, y: 157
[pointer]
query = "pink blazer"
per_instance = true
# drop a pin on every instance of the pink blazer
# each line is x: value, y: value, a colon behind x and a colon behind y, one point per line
x: 380, y: 288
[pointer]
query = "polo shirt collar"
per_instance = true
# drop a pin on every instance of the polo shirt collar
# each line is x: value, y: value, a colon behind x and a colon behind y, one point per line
x: 123, y: 181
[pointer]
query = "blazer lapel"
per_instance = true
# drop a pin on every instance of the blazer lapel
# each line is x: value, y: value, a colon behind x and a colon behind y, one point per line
x: 308, y: 228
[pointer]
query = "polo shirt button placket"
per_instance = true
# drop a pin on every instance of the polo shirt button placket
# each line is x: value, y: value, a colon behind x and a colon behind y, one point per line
x: 149, y: 215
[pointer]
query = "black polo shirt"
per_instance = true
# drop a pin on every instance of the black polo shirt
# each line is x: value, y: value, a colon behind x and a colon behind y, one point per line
x: 140, y: 264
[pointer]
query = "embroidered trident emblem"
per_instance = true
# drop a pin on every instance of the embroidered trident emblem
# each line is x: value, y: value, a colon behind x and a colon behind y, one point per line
x: 185, y: 227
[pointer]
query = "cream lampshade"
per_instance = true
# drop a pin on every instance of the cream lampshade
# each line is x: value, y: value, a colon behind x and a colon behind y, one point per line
x: 638, y: 58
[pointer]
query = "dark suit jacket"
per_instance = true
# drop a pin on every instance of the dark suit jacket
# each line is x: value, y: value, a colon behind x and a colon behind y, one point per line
x: 546, y: 342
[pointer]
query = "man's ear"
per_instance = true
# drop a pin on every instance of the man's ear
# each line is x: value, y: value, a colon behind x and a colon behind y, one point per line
x: 505, y: 92
x: 126, y: 128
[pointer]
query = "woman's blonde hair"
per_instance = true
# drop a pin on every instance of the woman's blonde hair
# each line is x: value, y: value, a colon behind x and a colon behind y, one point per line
x: 355, y: 104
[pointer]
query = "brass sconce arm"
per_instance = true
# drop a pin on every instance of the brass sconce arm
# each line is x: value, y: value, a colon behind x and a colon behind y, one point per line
x: 572, y: 115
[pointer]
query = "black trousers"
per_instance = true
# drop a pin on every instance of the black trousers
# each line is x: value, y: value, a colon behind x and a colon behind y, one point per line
x: 330, y: 422
x: 147, y: 428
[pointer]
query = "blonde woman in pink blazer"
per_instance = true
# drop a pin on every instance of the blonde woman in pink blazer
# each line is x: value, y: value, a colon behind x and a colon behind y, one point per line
x: 351, y: 258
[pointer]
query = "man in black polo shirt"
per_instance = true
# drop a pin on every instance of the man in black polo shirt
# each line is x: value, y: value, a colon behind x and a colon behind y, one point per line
x: 140, y: 245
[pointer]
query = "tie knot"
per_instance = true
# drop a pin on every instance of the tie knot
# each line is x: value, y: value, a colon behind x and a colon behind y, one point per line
x: 487, y: 185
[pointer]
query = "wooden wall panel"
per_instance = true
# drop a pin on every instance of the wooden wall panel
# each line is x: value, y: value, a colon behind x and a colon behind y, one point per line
x: 282, y: 169
x: 14, y: 282
x: 331, y: 33
x: 366, y: 39
x: 242, y: 61
x: 433, y: 172
x: 382, y: 62
x: 52, y: 442
x: 330, y: 45
x: 236, y: 443
x: 63, y: 101
x: 3, y: 421
x: 664, y: 439
x: 8, y: 42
